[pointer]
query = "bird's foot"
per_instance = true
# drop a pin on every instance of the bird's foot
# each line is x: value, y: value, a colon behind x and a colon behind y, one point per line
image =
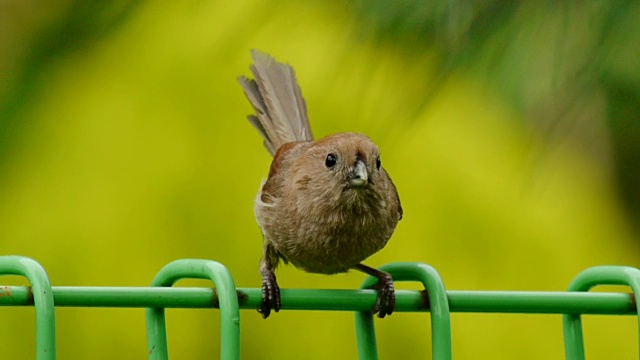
x: 270, y: 294
x: 386, y: 301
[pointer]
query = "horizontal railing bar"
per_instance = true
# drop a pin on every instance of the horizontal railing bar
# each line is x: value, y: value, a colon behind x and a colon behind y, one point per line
x: 530, y: 302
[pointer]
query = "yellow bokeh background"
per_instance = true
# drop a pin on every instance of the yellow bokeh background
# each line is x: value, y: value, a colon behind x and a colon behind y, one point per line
x: 135, y: 151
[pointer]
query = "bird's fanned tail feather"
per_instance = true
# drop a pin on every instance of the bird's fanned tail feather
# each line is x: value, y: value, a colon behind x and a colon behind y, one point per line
x: 281, y: 112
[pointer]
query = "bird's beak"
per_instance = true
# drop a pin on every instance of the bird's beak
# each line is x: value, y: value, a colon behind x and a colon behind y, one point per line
x: 359, y: 176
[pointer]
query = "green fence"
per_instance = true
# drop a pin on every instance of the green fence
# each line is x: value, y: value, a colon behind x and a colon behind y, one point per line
x: 230, y: 299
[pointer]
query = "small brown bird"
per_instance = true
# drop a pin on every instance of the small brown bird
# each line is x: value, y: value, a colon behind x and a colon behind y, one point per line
x: 328, y: 204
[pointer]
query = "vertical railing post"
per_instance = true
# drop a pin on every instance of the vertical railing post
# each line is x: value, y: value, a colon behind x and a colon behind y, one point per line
x: 227, y: 301
x: 599, y: 275
x: 42, y: 300
x: 438, y: 305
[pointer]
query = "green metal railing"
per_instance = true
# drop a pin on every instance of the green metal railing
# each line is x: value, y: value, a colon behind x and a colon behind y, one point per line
x: 229, y: 299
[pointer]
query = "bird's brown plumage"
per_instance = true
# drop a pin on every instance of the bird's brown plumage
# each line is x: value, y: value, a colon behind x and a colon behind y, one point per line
x: 326, y: 205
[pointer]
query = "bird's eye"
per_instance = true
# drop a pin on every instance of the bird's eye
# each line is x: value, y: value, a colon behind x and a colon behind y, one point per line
x: 378, y: 163
x: 331, y: 160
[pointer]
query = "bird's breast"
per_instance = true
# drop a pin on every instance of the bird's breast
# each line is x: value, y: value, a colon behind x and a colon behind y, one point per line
x: 323, y: 236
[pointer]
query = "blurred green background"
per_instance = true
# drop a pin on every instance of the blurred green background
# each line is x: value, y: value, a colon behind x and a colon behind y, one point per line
x: 510, y: 128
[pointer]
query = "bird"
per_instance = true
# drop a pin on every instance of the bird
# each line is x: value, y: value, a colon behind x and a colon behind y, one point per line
x: 327, y: 204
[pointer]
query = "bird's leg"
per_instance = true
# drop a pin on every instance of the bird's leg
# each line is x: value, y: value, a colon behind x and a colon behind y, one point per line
x: 270, y: 288
x: 386, y: 301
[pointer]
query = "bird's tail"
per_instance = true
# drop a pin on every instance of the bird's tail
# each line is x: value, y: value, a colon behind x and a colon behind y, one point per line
x: 281, y: 113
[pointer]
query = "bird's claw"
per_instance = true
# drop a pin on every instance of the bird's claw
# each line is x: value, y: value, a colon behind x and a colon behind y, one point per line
x: 386, y: 301
x: 270, y: 295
